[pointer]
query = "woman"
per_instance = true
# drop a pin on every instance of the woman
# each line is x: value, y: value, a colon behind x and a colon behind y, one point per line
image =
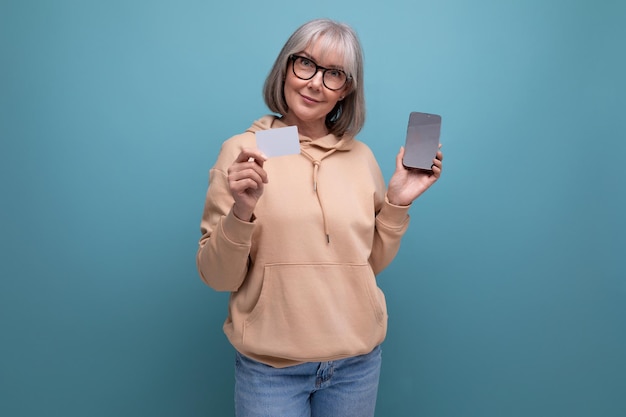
x: 299, y: 239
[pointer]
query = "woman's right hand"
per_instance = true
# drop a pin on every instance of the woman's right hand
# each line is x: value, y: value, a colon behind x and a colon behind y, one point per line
x: 246, y: 178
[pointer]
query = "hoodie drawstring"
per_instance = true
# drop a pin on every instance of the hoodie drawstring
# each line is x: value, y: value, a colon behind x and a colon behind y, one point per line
x: 316, y: 165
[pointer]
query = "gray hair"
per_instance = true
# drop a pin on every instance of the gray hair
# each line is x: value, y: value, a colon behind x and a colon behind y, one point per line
x: 348, y: 116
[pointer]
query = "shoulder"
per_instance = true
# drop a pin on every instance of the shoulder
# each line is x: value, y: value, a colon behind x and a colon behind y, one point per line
x: 360, y: 146
x: 362, y: 150
x: 238, y: 141
x: 247, y: 138
x: 232, y: 146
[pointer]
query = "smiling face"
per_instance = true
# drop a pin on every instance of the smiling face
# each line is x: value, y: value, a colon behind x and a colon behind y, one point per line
x: 309, y: 101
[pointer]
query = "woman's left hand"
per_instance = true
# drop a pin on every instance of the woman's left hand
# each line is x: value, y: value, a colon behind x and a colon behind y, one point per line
x: 407, y: 184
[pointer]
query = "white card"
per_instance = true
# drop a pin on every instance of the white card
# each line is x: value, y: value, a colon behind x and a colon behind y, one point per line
x: 278, y: 142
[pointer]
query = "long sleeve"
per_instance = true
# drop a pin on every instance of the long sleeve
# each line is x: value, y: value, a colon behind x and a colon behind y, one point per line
x: 224, y: 247
x: 391, y: 221
x: 391, y: 224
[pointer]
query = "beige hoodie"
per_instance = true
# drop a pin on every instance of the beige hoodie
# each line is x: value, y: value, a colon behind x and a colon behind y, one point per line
x: 302, y: 274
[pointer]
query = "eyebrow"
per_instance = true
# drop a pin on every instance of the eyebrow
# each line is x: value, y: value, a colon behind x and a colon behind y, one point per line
x: 308, y: 55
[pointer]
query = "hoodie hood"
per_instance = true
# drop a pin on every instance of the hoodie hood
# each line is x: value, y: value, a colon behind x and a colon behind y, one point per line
x: 322, y: 145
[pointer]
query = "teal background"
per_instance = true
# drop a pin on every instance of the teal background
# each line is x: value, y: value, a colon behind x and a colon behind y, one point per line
x: 508, y: 296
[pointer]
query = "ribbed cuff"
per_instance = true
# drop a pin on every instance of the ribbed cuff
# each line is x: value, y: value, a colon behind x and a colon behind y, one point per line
x: 393, y: 215
x: 237, y: 230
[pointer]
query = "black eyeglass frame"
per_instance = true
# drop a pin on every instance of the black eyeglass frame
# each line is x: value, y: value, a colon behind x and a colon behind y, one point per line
x: 293, y: 58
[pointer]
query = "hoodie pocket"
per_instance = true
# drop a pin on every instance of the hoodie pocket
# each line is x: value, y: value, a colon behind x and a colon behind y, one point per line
x: 308, y: 312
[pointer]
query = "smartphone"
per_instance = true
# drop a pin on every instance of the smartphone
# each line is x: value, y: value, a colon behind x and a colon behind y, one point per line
x: 422, y: 140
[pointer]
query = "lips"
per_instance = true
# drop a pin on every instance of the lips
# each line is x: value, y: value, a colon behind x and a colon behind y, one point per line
x: 309, y: 99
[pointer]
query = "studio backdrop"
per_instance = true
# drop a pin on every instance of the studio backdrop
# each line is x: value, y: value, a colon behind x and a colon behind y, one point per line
x: 508, y: 295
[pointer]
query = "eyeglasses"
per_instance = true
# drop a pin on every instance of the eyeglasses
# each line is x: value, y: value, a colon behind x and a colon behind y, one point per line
x: 305, y: 69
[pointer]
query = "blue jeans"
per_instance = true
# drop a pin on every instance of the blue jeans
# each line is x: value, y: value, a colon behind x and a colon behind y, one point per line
x: 345, y: 388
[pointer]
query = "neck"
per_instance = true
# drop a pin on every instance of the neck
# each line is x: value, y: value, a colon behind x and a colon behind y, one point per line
x: 312, y: 130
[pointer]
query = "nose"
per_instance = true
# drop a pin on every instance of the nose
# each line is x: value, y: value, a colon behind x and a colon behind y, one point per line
x: 318, y: 79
